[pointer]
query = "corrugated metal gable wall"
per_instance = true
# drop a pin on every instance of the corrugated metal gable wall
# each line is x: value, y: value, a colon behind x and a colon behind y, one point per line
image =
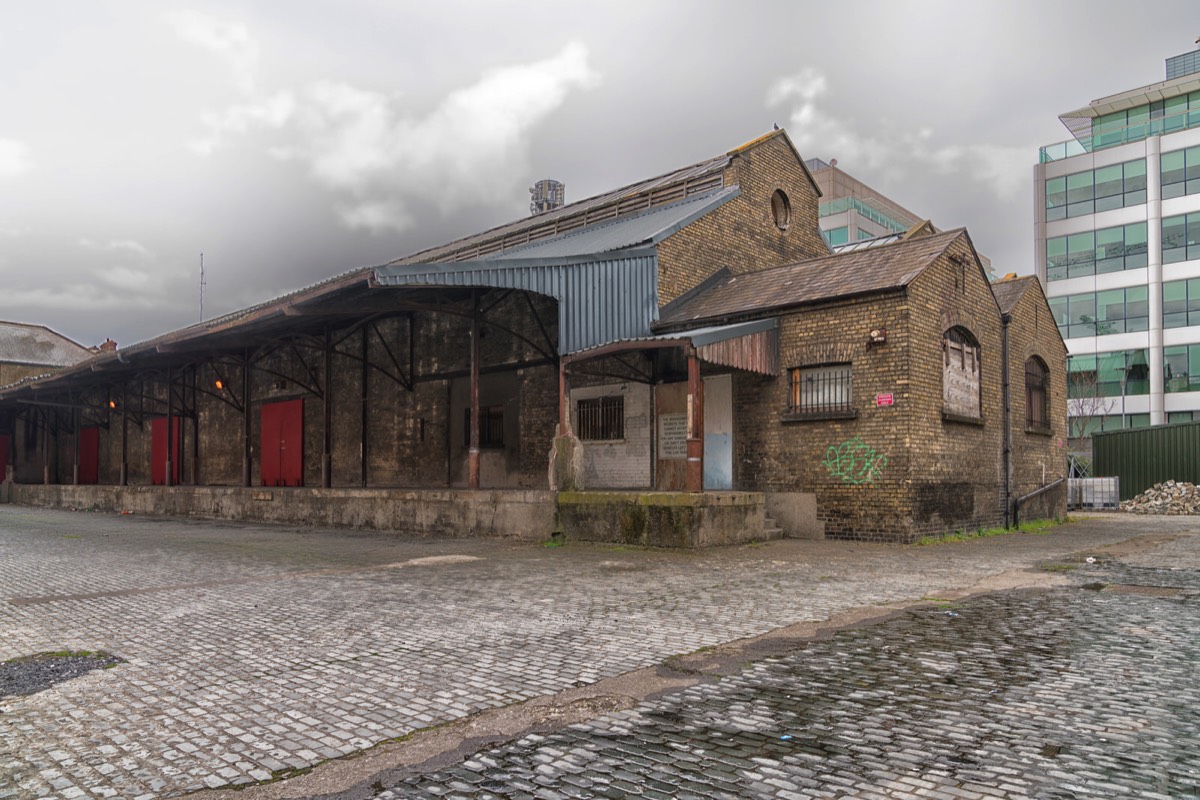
x: 599, y: 301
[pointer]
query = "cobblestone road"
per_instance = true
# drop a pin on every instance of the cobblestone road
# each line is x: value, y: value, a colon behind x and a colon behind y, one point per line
x: 1068, y: 694
x: 252, y: 651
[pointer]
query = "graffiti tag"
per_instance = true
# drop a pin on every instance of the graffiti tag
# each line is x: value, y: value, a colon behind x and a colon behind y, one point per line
x: 854, y: 461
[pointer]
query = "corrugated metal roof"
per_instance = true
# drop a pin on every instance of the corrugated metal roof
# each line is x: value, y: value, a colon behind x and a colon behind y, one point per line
x: 600, y: 299
x: 647, y: 227
x: 699, y: 172
x: 870, y: 270
x: 37, y: 345
x: 751, y: 346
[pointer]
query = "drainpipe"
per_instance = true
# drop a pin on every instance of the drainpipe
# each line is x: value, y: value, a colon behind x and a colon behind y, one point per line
x: 1005, y: 399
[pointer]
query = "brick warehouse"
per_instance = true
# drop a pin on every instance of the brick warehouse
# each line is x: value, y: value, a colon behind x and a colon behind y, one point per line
x: 667, y: 363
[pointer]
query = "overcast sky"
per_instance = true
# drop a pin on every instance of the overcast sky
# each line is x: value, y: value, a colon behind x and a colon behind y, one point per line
x: 292, y: 141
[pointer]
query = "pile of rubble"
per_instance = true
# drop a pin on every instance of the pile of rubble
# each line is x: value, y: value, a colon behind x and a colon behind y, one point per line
x: 1172, y: 497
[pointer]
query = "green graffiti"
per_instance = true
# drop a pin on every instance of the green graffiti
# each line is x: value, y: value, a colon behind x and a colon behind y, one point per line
x: 854, y: 461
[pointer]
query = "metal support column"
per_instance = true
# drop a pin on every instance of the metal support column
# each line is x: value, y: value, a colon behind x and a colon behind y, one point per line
x: 46, y: 447
x: 327, y: 415
x: 246, y: 420
x: 362, y: 422
x: 695, y: 424
x: 473, y: 448
x: 195, y: 428
x: 74, y: 443
x: 123, y: 478
x: 171, y: 454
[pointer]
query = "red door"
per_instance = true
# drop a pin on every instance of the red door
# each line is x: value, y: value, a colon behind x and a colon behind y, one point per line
x: 158, y: 451
x: 4, y: 444
x: 282, y: 444
x: 89, y: 455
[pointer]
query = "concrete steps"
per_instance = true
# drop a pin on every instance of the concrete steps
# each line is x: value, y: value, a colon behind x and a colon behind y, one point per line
x: 771, y: 529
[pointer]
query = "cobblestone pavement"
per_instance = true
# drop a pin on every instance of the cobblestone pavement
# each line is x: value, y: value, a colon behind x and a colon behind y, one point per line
x: 1085, y: 692
x: 254, y: 651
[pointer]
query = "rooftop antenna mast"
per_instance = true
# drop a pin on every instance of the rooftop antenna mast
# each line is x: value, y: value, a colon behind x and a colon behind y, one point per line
x: 202, y: 287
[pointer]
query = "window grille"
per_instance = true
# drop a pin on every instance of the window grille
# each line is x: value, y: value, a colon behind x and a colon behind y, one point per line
x: 819, y: 390
x: 491, y: 427
x: 601, y: 418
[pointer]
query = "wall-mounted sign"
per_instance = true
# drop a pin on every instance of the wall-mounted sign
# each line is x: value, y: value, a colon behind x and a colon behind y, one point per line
x: 672, y: 436
x: 885, y: 399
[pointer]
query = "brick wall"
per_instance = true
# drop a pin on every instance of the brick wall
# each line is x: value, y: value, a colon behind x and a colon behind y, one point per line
x: 957, y: 478
x: 857, y: 466
x: 889, y: 472
x: 742, y: 234
x: 1032, y: 333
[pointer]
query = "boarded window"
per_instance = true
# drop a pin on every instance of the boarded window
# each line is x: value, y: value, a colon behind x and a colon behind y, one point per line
x: 960, y: 373
x: 820, y: 390
x: 491, y: 427
x: 1037, y: 395
x: 601, y: 418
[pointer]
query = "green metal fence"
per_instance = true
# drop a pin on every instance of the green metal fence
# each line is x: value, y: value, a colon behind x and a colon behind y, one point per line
x: 1146, y: 456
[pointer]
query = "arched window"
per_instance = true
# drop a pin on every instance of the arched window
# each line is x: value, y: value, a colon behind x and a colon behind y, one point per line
x: 1037, y: 395
x: 960, y: 373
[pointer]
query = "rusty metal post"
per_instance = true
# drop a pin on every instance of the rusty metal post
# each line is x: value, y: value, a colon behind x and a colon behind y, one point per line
x: 473, y: 446
x: 123, y: 475
x: 246, y: 420
x: 168, y: 479
x: 327, y: 416
x: 362, y: 423
x: 695, y: 424
x: 75, y: 442
x: 195, y: 427
x: 46, y: 447
x: 564, y: 399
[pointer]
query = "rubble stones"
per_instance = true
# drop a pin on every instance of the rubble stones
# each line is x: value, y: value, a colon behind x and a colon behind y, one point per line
x: 1172, y: 497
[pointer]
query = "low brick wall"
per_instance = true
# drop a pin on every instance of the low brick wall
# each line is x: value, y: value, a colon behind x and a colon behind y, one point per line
x: 662, y: 519
x: 521, y: 514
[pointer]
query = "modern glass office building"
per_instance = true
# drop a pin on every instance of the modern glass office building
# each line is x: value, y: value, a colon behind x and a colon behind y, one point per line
x: 1118, y: 249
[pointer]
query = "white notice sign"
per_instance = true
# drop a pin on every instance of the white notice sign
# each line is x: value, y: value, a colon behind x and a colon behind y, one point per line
x: 672, y: 436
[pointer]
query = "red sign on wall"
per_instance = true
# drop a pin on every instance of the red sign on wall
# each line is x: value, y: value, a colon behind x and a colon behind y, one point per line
x: 885, y: 399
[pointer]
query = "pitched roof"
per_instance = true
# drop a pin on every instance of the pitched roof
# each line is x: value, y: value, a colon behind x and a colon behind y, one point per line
x: 646, y: 227
x: 1009, y: 291
x: 37, y: 345
x: 679, y: 184
x: 857, y: 272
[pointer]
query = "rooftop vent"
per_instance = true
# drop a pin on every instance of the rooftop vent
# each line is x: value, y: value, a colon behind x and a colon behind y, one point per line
x: 546, y: 195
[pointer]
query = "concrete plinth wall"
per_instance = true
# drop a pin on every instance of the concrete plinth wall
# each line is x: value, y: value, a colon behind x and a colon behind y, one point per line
x: 523, y: 514
x: 662, y: 519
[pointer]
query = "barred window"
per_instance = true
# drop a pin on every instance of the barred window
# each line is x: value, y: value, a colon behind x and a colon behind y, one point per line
x: 1037, y: 395
x: 491, y: 426
x: 601, y: 418
x: 818, y: 390
x: 960, y: 373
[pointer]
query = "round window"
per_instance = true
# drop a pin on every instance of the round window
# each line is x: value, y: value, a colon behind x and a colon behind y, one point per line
x: 781, y: 210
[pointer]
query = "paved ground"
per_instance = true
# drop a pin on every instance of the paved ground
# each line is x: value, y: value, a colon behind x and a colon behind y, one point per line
x: 1072, y: 693
x: 253, y: 651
